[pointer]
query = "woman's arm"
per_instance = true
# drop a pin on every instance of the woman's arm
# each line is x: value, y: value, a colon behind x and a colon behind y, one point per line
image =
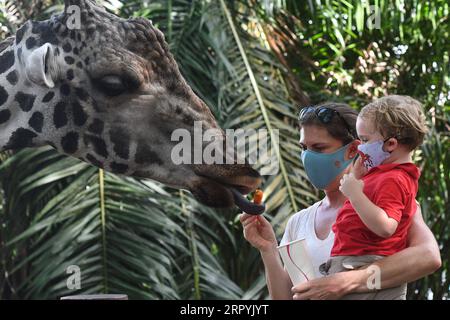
x: 277, y: 278
x: 419, y: 259
x: 259, y: 232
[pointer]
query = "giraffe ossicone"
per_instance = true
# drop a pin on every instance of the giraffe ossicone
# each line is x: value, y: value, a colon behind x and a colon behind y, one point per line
x: 109, y: 93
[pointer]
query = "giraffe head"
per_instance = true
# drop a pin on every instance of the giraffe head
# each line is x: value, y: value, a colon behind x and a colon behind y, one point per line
x: 107, y: 91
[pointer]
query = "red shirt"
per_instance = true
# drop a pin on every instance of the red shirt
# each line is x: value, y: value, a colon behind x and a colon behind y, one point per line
x: 393, y: 188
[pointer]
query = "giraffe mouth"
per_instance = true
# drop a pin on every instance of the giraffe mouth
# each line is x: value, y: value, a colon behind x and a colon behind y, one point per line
x: 216, y: 192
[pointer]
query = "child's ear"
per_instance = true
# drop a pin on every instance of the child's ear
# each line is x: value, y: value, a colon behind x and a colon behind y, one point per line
x: 352, y: 150
x: 391, y: 144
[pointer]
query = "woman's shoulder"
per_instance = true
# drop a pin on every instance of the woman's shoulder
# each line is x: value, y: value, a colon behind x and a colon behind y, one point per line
x: 299, y: 219
x: 297, y: 225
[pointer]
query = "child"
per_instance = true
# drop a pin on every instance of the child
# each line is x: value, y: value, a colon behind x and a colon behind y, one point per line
x: 374, y: 221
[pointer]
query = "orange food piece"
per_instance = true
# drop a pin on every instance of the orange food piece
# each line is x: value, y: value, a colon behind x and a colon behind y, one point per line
x: 257, y: 197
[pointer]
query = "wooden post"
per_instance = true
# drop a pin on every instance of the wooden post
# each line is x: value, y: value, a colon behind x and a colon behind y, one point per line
x: 96, y: 297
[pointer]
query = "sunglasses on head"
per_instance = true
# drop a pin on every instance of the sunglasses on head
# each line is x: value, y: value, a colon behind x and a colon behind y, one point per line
x: 325, y: 115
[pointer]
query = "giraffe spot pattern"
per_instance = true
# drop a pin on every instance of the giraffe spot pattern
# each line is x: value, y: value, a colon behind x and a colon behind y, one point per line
x: 67, y: 47
x: 36, y: 121
x: 121, y: 141
x: 144, y: 154
x: 6, y: 61
x: 118, y: 167
x: 4, y: 115
x: 64, y: 89
x: 30, y: 42
x: 12, y: 77
x: 25, y: 100
x: 69, y: 142
x: 70, y: 75
x: 20, y: 33
x: 98, y: 143
x: 69, y: 60
x: 3, y: 95
x: 79, y: 116
x: 96, y: 126
x: 21, y: 138
x: 48, y: 96
x: 81, y: 94
x: 65, y: 33
x: 19, y: 54
x: 59, y: 115
x: 45, y: 32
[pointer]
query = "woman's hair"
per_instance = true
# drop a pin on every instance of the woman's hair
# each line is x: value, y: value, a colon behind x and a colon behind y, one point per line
x: 397, y: 116
x: 345, y: 132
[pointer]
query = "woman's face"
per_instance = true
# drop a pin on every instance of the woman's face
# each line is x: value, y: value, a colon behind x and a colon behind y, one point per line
x: 318, y: 139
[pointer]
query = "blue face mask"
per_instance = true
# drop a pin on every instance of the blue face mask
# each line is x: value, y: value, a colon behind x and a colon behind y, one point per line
x: 323, y: 168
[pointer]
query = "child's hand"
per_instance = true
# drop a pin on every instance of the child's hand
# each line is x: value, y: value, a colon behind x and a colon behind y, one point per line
x: 350, y: 186
x: 359, y: 170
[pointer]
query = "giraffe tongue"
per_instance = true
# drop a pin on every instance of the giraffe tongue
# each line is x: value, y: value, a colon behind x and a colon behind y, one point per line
x: 245, y: 205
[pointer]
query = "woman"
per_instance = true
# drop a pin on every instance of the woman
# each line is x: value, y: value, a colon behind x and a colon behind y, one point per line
x: 328, y: 138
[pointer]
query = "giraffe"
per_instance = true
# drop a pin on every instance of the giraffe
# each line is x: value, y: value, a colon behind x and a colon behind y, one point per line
x: 109, y: 93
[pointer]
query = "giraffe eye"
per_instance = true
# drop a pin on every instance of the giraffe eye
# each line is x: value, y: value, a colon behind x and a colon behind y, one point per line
x: 111, y: 85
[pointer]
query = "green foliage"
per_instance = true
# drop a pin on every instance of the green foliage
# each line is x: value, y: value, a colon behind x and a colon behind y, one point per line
x: 435, y: 200
x: 254, y: 63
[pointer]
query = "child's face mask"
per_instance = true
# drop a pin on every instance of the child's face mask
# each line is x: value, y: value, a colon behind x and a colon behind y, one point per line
x: 373, y: 154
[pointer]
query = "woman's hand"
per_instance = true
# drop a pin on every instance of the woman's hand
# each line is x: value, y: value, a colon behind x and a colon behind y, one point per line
x: 332, y: 287
x: 258, y: 231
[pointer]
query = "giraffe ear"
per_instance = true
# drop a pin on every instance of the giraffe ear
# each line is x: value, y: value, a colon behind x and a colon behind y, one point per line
x: 38, y: 66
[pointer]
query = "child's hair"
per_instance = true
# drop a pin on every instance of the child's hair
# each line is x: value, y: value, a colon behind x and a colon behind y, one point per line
x: 397, y: 116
